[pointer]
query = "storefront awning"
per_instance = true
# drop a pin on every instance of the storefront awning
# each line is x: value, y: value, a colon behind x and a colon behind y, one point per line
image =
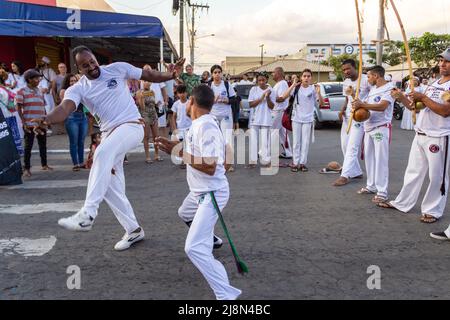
x: 29, y: 20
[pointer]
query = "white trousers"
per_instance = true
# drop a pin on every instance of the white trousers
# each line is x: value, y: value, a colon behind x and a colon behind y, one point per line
x: 226, y: 126
x: 302, y: 139
x: 103, y: 185
x: 199, y: 242
x: 376, y: 153
x: 277, y: 117
x: 407, y: 121
x: 427, y: 156
x: 260, y: 134
x: 354, y: 139
x: 344, y: 136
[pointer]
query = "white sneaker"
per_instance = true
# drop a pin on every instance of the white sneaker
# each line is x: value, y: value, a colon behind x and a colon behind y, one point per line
x: 80, y: 221
x: 217, y: 242
x: 129, y: 239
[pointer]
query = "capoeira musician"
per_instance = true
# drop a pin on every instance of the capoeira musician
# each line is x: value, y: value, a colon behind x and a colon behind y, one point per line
x: 205, y: 153
x: 429, y: 152
x: 377, y: 136
x: 104, y: 91
x: 351, y: 142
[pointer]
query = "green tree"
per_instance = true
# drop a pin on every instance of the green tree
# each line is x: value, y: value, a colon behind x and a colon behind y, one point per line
x: 425, y: 48
x: 336, y: 63
x: 393, y: 53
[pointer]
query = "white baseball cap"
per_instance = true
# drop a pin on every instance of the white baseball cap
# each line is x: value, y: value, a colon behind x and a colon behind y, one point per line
x: 45, y: 60
x: 445, y: 54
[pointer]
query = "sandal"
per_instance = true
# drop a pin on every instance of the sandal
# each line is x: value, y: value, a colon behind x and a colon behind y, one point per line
x: 427, y: 218
x: 26, y: 173
x: 148, y: 161
x: 159, y: 159
x: 379, y: 199
x: 303, y: 168
x: 250, y: 166
x: 295, y: 169
x: 365, y: 191
x: 47, y: 168
x: 76, y: 168
x: 386, y: 205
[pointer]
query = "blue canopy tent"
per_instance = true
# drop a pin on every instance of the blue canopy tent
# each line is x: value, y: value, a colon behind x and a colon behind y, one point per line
x: 127, y: 35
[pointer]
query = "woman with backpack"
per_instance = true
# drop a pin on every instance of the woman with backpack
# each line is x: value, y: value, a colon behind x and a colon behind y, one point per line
x: 305, y: 98
x: 224, y: 97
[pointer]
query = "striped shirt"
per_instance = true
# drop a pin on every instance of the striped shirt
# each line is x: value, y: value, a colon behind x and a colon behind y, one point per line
x: 32, y: 102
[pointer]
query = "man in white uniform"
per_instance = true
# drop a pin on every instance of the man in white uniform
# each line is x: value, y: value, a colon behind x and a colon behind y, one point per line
x: 281, y: 104
x: 205, y: 153
x: 351, y: 142
x: 377, y: 137
x: 429, y: 152
x: 104, y: 91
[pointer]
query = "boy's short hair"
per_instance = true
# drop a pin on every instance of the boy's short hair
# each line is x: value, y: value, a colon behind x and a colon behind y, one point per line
x: 379, y: 70
x: 204, y: 97
x: 181, y: 89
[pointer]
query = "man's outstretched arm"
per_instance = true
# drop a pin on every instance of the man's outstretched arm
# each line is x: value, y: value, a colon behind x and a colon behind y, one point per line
x: 174, y: 70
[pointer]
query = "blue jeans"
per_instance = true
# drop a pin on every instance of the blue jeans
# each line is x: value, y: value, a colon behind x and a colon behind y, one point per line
x: 76, y: 125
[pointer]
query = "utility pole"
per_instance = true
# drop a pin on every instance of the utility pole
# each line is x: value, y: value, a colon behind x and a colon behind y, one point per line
x: 262, y: 54
x: 182, y: 28
x: 193, y: 32
x: 380, y: 33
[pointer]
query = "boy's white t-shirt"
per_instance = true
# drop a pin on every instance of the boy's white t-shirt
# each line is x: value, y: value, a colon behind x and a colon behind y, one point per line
x: 157, y: 89
x: 108, y: 96
x: 204, y: 139
x: 379, y: 118
x: 363, y: 92
x: 280, y: 88
x: 429, y: 122
x: 262, y: 114
x: 304, y: 104
x: 222, y: 110
x: 183, y: 120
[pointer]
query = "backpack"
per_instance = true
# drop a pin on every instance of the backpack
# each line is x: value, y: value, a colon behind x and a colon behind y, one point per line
x: 286, y: 121
x: 10, y: 105
x: 231, y: 100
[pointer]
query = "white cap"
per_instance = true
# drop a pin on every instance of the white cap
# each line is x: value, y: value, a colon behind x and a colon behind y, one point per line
x: 45, y: 60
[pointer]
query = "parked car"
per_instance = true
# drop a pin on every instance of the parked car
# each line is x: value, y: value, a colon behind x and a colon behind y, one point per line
x: 243, y: 91
x: 332, y: 93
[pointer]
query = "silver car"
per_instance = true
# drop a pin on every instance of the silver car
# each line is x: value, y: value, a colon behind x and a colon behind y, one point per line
x: 332, y: 93
x: 243, y: 91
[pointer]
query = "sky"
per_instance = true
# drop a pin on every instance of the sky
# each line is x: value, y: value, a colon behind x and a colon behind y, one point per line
x: 284, y: 26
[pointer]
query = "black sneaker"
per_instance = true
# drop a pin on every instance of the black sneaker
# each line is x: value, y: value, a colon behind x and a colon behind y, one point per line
x: 439, y: 236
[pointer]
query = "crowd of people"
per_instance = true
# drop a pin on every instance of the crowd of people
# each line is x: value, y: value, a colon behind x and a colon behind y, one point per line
x: 177, y: 106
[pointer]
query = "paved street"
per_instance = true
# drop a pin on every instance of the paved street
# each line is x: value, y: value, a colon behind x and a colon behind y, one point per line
x: 300, y: 237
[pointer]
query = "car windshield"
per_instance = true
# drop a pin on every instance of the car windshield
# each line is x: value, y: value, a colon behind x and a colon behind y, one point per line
x: 243, y: 91
x: 333, y: 88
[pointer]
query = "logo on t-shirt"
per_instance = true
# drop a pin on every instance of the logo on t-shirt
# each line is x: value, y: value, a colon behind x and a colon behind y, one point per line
x: 377, y: 99
x: 112, y: 83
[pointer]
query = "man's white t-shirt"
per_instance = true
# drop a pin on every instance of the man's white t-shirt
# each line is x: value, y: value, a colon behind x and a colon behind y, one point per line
x: 280, y: 88
x: 429, y: 122
x: 108, y: 96
x: 222, y: 110
x: 262, y: 114
x: 304, y: 104
x: 204, y: 139
x: 380, y: 118
x: 157, y: 89
x: 183, y: 120
x: 363, y: 92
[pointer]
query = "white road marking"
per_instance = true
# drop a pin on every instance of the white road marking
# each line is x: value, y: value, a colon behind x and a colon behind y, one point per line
x: 48, y: 184
x: 41, y: 208
x: 27, y: 247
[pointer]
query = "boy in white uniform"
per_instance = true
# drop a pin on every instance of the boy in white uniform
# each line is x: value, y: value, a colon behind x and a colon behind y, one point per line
x: 351, y: 142
x: 104, y: 91
x: 429, y: 152
x: 281, y: 105
x: 180, y: 119
x: 262, y: 101
x: 206, y: 156
x: 377, y: 134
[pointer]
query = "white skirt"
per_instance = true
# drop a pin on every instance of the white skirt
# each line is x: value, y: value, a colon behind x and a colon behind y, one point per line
x: 407, y: 121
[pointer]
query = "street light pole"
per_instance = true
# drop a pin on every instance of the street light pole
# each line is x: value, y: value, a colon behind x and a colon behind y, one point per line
x: 262, y: 54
